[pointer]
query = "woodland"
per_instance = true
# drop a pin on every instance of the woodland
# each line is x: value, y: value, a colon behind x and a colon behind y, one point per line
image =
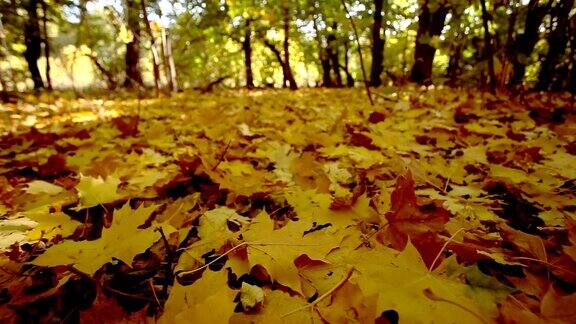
x: 288, y: 161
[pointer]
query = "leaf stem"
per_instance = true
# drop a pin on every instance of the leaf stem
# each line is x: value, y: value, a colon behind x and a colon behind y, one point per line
x: 324, y: 296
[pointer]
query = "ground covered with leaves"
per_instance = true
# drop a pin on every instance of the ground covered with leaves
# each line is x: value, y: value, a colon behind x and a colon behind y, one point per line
x: 275, y: 206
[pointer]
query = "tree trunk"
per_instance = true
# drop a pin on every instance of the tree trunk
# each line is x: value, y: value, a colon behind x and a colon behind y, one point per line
x: 6, y: 53
x: 33, y: 41
x: 572, y: 80
x: 110, y: 80
x: 430, y: 24
x: 377, y: 46
x: 132, y: 58
x: 170, y: 61
x: 288, y: 75
x: 46, y: 43
x: 322, y: 56
x: 155, y: 59
x: 488, y: 47
x: 325, y: 64
x: 247, y: 48
x: 278, y: 56
x: 557, y: 43
x: 359, y: 48
x: 167, y: 59
x: 525, y: 42
x: 333, y: 56
x: 510, y: 32
x: 349, y: 78
x: 454, y: 65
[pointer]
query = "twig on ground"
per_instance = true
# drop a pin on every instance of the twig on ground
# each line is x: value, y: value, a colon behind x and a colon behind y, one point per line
x: 169, y: 275
x: 221, y: 158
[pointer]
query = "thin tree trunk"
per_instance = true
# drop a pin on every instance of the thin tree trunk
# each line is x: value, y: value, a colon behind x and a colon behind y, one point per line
x: 349, y: 78
x: 405, y: 57
x: 288, y: 75
x: 488, y: 47
x: 46, y: 42
x: 132, y: 58
x: 510, y: 32
x: 110, y: 80
x: 33, y: 41
x: 6, y: 53
x: 377, y: 46
x: 278, y: 56
x: 171, y: 65
x: 454, y: 65
x: 165, y: 58
x: 525, y: 42
x: 430, y: 24
x: 155, y: 58
x: 247, y: 48
x: 164, y: 51
x: 557, y: 43
x: 366, y: 85
x: 323, y: 57
x: 572, y: 80
x: 332, y: 51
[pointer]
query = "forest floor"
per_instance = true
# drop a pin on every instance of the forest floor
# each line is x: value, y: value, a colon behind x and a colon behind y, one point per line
x: 275, y: 206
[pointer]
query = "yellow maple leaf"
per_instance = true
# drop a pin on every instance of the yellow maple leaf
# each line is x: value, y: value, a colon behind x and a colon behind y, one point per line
x: 208, y: 300
x: 315, y: 207
x: 276, y: 250
x: 89, y: 256
x: 96, y: 191
x: 404, y: 284
x: 50, y: 225
x: 43, y: 187
x: 348, y: 304
x: 213, y: 230
x: 276, y: 304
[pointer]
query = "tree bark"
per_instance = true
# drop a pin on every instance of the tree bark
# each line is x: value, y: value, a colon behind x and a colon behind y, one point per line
x: 167, y: 59
x: 488, y: 47
x: 46, y: 43
x: 349, y: 78
x: 132, y: 58
x: 278, y: 56
x: 110, y: 80
x: 525, y: 42
x: 247, y: 48
x: 170, y: 61
x: 572, y: 80
x: 454, y: 65
x: 430, y: 24
x: 33, y: 41
x: 6, y: 53
x: 322, y: 56
x: 155, y: 59
x: 355, y: 30
x: 333, y: 56
x: 288, y: 75
x: 557, y: 43
x: 377, y: 46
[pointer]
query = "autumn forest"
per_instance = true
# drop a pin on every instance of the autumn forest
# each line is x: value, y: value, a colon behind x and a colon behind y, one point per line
x: 287, y: 161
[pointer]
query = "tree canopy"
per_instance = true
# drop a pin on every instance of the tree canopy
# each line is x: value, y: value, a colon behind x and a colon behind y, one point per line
x: 298, y: 43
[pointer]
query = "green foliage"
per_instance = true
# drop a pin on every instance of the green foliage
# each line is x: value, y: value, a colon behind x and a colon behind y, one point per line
x: 206, y: 38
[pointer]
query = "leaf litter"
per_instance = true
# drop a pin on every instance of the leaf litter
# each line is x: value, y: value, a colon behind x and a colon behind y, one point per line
x: 272, y: 206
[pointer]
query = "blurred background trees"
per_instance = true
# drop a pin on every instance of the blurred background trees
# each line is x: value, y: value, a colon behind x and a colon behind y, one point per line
x: 168, y: 45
